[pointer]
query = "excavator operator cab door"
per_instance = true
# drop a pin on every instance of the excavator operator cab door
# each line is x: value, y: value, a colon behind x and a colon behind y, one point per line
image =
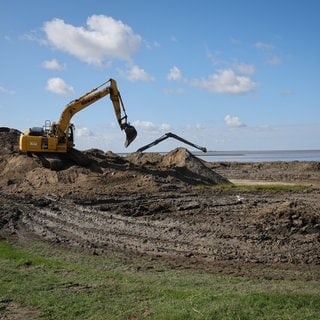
x: 70, y: 136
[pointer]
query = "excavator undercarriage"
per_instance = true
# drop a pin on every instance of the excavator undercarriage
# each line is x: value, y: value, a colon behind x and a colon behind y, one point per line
x: 55, y: 161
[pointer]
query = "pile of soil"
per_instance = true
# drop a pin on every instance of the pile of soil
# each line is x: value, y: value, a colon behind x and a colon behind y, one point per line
x: 9, y: 140
x: 105, y: 171
x: 167, y: 207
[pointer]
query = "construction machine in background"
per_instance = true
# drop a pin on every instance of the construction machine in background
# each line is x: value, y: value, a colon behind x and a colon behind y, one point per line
x: 57, y: 138
x: 171, y: 135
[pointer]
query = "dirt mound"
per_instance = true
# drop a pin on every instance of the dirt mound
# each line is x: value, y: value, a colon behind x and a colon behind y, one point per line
x: 185, y: 162
x: 144, y: 159
x: 103, y: 172
x: 179, y: 163
x: 9, y: 140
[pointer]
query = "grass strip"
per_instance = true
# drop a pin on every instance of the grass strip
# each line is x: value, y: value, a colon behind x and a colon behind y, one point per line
x: 64, y: 283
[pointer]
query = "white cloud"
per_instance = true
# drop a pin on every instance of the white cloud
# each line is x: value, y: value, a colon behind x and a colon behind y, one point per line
x: 52, y: 65
x: 174, y: 74
x: 58, y: 86
x: 135, y: 74
x: 225, y: 81
x: 174, y: 91
x: 150, y: 126
x: 233, y: 121
x: 245, y: 68
x: 274, y: 60
x: 146, y: 125
x: 165, y: 126
x: 151, y: 45
x: 268, y: 51
x: 102, y: 38
x: 83, y: 132
x: 263, y: 46
x: 264, y: 137
x: 4, y: 90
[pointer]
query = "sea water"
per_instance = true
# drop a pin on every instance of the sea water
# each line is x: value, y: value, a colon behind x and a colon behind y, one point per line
x: 259, y: 156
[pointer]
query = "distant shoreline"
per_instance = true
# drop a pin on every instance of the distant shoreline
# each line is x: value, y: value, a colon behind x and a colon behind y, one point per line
x: 251, y: 155
x: 260, y: 155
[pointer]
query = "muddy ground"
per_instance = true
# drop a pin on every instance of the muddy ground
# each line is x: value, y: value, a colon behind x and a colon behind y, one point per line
x: 168, y: 208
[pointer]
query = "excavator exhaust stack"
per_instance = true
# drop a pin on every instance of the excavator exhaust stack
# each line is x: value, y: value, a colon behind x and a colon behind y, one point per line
x: 131, y: 134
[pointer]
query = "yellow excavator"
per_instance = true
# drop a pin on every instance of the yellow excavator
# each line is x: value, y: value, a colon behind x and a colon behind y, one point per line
x: 58, y: 138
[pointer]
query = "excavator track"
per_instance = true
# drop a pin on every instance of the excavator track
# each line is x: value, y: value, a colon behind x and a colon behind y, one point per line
x: 78, y: 157
x: 59, y: 161
x: 51, y: 161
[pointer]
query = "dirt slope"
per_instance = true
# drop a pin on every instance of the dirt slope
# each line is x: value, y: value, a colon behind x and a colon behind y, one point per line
x: 105, y: 171
x: 163, y: 207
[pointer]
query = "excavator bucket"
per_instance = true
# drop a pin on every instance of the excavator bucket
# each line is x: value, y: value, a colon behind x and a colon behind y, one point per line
x: 131, y: 134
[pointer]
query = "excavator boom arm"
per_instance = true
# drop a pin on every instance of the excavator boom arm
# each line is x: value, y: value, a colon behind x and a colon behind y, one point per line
x: 60, y: 128
x: 77, y: 105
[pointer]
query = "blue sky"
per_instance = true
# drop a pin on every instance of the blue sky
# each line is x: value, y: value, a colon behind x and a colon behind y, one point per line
x: 227, y: 74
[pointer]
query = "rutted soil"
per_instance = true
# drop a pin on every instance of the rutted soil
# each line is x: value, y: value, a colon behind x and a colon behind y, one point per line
x: 164, y: 208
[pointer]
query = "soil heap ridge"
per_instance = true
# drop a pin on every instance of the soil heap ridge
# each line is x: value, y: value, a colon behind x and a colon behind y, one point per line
x: 179, y: 163
x: 105, y: 172
x: 9, y: 140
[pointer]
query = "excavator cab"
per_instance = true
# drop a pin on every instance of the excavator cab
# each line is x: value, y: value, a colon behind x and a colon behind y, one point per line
x: 130, y: 132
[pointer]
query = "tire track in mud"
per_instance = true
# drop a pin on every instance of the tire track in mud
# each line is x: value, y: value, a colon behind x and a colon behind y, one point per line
x: 99, y: 229
x: 203, y: 225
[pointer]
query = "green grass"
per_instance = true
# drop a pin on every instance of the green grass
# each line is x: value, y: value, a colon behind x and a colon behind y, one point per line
x: 68, y: 284
x: 268, y: 187
x: 254, y: 187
